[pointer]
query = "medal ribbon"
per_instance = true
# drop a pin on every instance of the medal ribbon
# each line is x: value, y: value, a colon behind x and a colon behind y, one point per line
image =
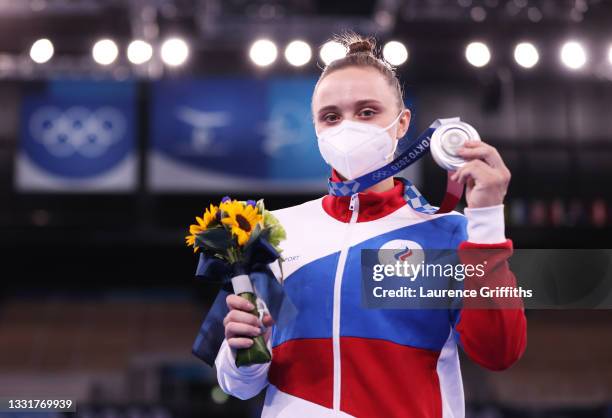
x: 408, y: 153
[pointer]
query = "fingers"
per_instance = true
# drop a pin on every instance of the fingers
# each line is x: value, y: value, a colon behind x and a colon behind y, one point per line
x: 239, y: 342
x: 483, y: 175
x: 477, y: 152
x: 238, y: 329
x: 483, y: 151
x: 474, y: 169
x: 240, y: 323
x: 476, y: 174
x: 242, y: 317
x: 237, y: 302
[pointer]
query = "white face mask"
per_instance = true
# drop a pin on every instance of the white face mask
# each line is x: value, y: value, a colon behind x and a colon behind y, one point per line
x: 357, y: 148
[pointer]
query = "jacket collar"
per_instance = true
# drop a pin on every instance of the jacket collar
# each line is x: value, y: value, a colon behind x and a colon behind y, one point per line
x: 372, y: 205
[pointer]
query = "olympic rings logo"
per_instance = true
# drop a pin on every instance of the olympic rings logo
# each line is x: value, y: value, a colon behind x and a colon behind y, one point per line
x: 77, y: 130
x: 381, y: 175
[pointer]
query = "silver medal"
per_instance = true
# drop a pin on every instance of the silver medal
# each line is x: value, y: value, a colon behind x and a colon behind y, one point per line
x: 447, y: 139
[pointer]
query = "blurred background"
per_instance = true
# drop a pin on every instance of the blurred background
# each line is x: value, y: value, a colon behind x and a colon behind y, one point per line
x: 121, y: 120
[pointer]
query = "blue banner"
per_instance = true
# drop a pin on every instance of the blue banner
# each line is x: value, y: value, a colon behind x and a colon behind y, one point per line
x: 77, y: 136
x: 234, y: 134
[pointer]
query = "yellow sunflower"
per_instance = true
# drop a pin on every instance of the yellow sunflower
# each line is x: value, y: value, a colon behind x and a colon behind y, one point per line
x: 240, y: 218
x: 204, y: 222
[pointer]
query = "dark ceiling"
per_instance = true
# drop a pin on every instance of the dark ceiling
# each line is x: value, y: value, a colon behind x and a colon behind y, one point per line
x: 219, y: 32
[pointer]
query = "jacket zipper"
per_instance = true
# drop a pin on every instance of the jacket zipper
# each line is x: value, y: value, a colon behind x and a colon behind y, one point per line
x: 354, y: 208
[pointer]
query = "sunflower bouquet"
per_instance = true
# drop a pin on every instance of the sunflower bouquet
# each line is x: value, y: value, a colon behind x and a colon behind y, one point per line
x: 229, y: 232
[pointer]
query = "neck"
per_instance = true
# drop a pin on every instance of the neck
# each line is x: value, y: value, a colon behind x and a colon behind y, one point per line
x: 382, y: 186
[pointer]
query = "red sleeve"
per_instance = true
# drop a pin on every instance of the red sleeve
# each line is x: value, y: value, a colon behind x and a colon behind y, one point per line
x: 494, y: 333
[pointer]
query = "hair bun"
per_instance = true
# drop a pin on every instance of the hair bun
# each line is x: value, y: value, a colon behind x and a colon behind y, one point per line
x: 361, y: 46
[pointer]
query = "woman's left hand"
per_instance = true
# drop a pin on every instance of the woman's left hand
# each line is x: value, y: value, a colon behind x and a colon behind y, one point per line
x: 485, y: 175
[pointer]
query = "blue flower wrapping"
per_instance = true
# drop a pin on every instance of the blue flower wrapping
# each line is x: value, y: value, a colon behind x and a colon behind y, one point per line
x: 212, y: 269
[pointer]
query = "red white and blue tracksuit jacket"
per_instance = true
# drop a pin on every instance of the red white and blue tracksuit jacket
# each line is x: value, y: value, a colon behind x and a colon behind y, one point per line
x: 338, y: 359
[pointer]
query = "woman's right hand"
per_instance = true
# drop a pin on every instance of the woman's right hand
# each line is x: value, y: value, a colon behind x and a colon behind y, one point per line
x: 240, y: 323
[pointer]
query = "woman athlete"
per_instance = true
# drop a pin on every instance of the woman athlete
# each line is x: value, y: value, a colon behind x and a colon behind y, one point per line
x: 338, y: 359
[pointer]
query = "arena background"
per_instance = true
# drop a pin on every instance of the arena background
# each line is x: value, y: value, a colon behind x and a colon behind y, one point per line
x: 106, y: 157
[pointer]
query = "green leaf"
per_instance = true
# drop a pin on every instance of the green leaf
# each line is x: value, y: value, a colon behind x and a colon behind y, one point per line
x: 215, y: 239
x: 258, y: 353
x: 269, y: 219
x: 277, y: 234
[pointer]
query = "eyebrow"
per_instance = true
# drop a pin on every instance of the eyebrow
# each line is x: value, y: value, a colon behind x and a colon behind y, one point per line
x: 358, y: 104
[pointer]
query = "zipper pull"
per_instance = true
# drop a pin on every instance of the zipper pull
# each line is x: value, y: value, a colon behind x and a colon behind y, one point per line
x: 353, y: 201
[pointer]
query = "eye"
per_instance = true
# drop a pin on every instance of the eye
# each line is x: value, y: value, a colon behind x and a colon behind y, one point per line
x: 368, y: 112
x: 330, y: 117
